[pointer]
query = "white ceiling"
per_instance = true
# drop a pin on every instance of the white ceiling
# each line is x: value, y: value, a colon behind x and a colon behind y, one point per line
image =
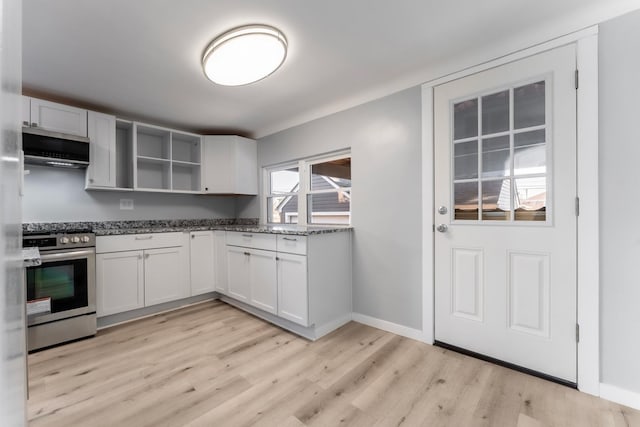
x: 141, y: 58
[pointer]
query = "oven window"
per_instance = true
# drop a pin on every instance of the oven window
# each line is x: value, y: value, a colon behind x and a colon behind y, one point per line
x: 65, y: 282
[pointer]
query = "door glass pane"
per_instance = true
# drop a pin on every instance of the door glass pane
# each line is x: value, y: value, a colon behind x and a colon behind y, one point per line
x: 495, y: 157
x: 285, y: 181
x: 530, y: 153
x: 496, y: 200
x: 466, y: 160
x: 465, y: 119
x: 530, y: 199
x: 528, y: 105
x: 282, y: 209
x: 495, y: 113
x: 466, y: 200
x: 331, y: 174
x: 329, y: 208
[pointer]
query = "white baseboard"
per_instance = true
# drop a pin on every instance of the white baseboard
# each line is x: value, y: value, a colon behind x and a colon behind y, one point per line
x: 332, y: 326
x: 394, y: 328
x: 620, y: 395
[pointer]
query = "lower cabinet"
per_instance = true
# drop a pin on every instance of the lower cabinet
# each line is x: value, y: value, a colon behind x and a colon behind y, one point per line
x: 120, y: 282
x: 220, y: 261
x: 202, y: 265
x: 252, y: 277
x: 293, y: 295
x: 148, y: 275
x: 238, y: 273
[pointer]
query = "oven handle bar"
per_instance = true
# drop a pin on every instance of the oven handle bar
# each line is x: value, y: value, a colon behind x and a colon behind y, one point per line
x: 67, y: 255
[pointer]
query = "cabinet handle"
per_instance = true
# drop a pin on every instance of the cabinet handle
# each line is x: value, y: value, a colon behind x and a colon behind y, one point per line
x: 34, y: 125
x: 247, y: 235
x: 290, y: 239
x: 90, y: 179
x: 144, y: 238
x: 206, y: 188
x: 277, y: 259
x: 247, y: 254
x: 147, y: 256
x: 193, y: 236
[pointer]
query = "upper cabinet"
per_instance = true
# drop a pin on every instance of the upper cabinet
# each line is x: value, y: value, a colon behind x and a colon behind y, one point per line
x: 230, y: 165
x: 54, y: 117
x: 102, y: 153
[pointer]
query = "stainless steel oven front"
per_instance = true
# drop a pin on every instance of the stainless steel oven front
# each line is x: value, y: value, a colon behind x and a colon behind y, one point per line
x: 61, y: 292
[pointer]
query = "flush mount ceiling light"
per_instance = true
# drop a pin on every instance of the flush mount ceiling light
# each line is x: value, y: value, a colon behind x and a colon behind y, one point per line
x: 244, y: 55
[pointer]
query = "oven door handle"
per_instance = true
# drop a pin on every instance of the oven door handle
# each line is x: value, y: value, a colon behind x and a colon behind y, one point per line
x: 61, y: 256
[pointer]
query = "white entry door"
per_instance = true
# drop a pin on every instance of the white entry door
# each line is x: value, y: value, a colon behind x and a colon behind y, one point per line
x: 505, y: 195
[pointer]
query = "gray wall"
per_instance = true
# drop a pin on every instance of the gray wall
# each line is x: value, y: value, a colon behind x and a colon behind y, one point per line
x: 619, y: 201
x: 385, y: 138
x: 58, y: 195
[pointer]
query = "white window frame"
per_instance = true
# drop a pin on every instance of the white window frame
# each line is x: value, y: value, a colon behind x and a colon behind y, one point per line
x: 304, y: 186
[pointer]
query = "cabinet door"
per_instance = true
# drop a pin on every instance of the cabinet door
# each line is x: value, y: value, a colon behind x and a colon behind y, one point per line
x: 293, y: 296
x: 102, y: 136
x: 238, y: 273
x: 58, y: 118
x: 26, y: 111
x: 220, y: 264
x: 229, y: 165
x: 165, y: 276
x: 202, y: 261
x: 119, y: 282
x: 246, y: 171
x: 263, y: 280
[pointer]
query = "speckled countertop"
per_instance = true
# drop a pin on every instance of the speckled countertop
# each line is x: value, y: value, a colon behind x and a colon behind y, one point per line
x: 114, y: 228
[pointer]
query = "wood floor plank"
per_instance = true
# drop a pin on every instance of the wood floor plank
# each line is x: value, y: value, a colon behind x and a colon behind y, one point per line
x: 212, y: 364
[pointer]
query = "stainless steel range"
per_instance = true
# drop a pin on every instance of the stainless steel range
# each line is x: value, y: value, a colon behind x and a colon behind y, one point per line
x: 61, y: 293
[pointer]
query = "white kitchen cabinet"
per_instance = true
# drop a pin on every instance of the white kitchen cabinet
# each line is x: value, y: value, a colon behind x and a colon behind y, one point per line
x: 238, y: 273
x: 301, y: 283
x: 230, y: 165
x: 263, y: 287
x: 101, y: 171
x: 119, y: 282
x: 55, y: 117
x: 164, y: 275
x: 202, y: 262
x: 26, y: 111
x: 220, y: 264
x: 293, y: 296
x: 161, y: 271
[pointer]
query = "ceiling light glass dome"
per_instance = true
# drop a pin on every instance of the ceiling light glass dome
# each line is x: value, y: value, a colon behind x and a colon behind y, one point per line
x: 244, y: 55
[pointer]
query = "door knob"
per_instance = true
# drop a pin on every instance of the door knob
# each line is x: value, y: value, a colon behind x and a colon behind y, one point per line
x: 442, y: 210
x: 442, y: 228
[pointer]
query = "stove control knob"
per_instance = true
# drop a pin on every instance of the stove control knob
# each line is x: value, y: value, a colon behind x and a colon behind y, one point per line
x: 75, y: 239
x: 64, y: 240
x: 85, y: 239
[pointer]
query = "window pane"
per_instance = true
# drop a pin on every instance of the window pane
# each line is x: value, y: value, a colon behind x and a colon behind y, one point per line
x: 495, y: 112
x: 466, y: 200
x: 465, y: 119
x: 466, y: 160
x: 530, y: 199
x: 528, y: 105
x: 329, y: 208
x: 332, y: 174
x: 496, y: 200
x: 282, y: 209
x: 495, y: 157
x: 530, y: 153
x: 285, y: 181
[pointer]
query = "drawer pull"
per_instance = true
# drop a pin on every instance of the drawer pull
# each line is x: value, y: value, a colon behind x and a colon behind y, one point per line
x: 290, y: 239
x: 247, y: 254
x: 144, y: 237
x: 247, y: 235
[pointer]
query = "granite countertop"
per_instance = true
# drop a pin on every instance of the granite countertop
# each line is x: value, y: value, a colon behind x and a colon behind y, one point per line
x: 114, y: 228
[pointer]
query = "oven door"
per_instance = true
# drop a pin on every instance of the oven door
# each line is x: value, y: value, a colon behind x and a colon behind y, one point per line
x: 64, y: 285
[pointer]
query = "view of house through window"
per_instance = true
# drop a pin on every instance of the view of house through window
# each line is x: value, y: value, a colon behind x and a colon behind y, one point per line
x: 316, y: 191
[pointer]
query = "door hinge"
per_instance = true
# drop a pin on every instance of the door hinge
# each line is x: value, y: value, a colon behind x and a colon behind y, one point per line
x: 577, y: 80
x: 577, y: 206
x: 577, y: 333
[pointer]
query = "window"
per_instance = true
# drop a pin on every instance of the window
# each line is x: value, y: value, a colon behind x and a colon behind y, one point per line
x: 310, y: 191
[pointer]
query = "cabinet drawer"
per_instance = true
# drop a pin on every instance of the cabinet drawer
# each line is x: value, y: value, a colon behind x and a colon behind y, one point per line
x: 263, y: 241
x: 133, y: 242
x: 292, y: 244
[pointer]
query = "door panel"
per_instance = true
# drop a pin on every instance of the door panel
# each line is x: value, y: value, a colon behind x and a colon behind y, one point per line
x: 505, y: 178
x: 165, y: 276
x: 119, y: 282
x: 263, y: 280
x: 238, y: 273
x: 202, y: 261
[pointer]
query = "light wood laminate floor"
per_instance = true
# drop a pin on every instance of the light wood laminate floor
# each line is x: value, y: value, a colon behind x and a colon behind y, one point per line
x: 213, y: 365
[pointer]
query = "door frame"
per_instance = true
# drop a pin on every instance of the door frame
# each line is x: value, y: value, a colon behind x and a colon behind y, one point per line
x: 588, y: 252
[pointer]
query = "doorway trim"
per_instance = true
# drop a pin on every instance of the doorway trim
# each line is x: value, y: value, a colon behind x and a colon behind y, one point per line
x: 588, y: 286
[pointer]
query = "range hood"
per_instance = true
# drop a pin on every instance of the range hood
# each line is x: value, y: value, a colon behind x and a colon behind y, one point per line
x: 46, y: 148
